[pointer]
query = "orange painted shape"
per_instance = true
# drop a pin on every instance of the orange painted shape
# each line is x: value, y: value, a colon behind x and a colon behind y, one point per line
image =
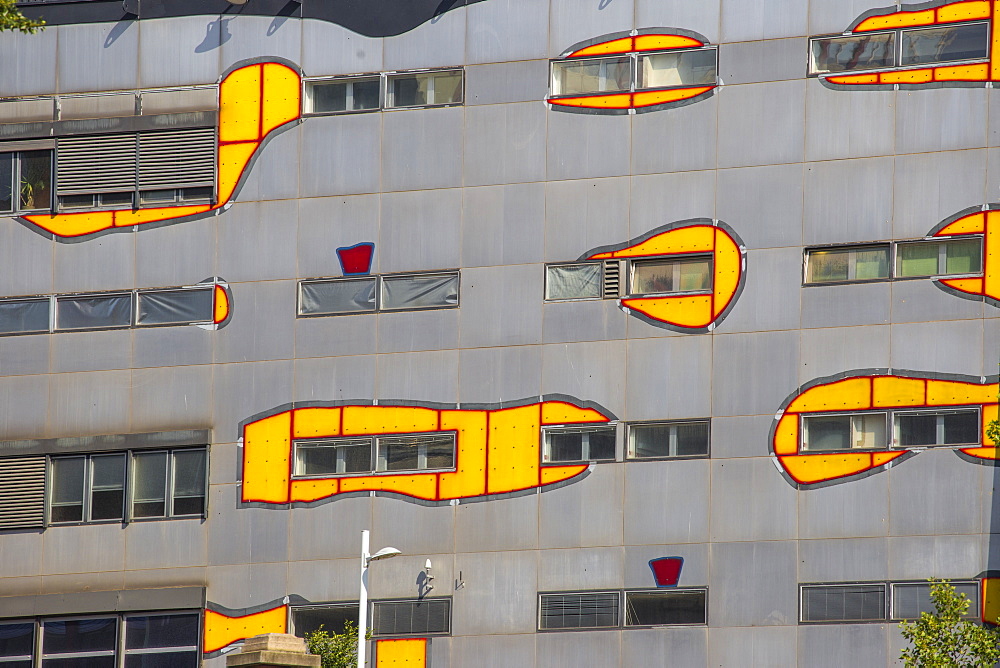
x: 222, y: 630
x: 469, y: 477
x: 881, y: 458
x: 972, y: 286
x: 991, y: 601
x: 665, y: 42
x: 972, y: 224
x: 964, y: 11
x: 893, y: 391
x: 417, y: 485
x: 316, y: 422
x: 991, y: 256
x: 728, y: 270
x: 406, y: 653
x: 360, y: 420
x: 233, y: 159
x: 694, y: 311
x: 689, y: 239
x: 281, y: 102
x: 786, y: 435
x: 267, y: 450
x: 552, y: 474
x: 811, y: 469
x: 561, y: 412
x: 986, y: 452
x: 976, y: 72
x: 73, y: 224
x: 612, y: 101
x: 240, y: 105
x: 923, y: 75
x: 140, y: 216
x: 854, y: 79
x: 956, y: 393
x: 514, y: 449
x: 897, y: 20
x: 306, y: 491
x: 622, y: 45
x: 995, y: 43
x: 649, y: 98
x: 849, y: 394
x: 220, y: 309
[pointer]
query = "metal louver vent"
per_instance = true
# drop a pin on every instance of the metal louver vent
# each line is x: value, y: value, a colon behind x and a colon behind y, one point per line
x: 22, y: 492
x: 398, y: 618
x: 177, y: 159
x: 101, y: 164
x: 612, y: 287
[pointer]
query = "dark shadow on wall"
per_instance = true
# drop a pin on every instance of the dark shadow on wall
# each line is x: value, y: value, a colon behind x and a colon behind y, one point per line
x: 216, y: 34
x: 119, y: 30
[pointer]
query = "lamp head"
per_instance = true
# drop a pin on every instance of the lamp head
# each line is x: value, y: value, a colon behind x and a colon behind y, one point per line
x: 385, y: 553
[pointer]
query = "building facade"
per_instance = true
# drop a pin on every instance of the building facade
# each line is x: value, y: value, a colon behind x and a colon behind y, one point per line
x: 650, y: 332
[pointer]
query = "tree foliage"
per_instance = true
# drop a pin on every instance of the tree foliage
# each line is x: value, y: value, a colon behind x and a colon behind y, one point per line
x: 336, y: 650
x: 946, y: 639
x: 11, y: 18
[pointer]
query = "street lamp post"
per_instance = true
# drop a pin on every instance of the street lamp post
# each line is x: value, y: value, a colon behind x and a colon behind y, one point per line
x: 384, y: 553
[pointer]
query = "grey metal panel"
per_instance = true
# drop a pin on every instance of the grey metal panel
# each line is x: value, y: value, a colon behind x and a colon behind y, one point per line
x: 328, y: 48
x: 993, y: 137
x: 843, y: 305
x: 751, y: 584
x: 639, y: 575
x: 587, y: 650
x: 923, y: 345
x: 27, y: 260
x: 582, y: 146
x: 336, y: 335
x: 30, y: 63
x: 275, y: 174
x: 172, y: 397
x: 935, y: 493
x: 835, y: 17
x: 501, y: 306
x: 941, y: 119
x: 589, y: 370
x: 513, y: 372
x: 24, y: 405
x: 754, y: 646
x: 398, y: 578
x: 83, y: 267
x: 581, y: 215
x: 176, y: 254
x: 422, y: 529
x: 226, y: 460
x: 595, y: 320
x: 414, y: 138
x: 17, y: 587
x: 523, y: 81
x: 243, y: 390
x: 136, y: 440
x: 508, y: 524
x: 421, y: 231
x: 437, y: 43
x: 772, y: 291
x: 766, y: 361
x: 928, y: 188
x: 88, y: 403
x: 168, y: 598
x: 658, y: 199
x: 335, y: 378
x: 327, y: 580
x: 923, y: 300
x: 702, y: 17
x: 500, y: 593
x: 838, y: 645
x: 427, y: 376
x: 829, y: 351
x: 769, y: 60
x: 740, y: 436
x: 74, y: 583
x: 419, y: 330
x: 761, y: 124
x: 505, y: 224
x: 21, y: 554
x: 22, y: 355
x: 257, y: 242
x: 98, y: 57
x: 580, y: 570
x: 676, y: 140
x: 269, y: 530
x: 922, y: 557
x: 493, y: 651
x: 325, y: 224
x: 842, y: 125
x: 679, y: 493
x: 763, y: 19
x: 440, y: 652
x: 844, y: 560
x: 330, y: 530
x: 91, y: 351
x: 230, y: 531
x: 749, y: 502
x: 680, y: 646
x: 831, y: 217
x: 340, y: 155
x: 166, y: 544
x: 164, y: 62
x: 262, y: 323
x: 585, y: 513
x: 507, y: 30
x: 570, y: 22
x: 258, y: 35
x: 655, y: 369
x: 504, y: 143
x: 171, y: 346
x: 83, y: 549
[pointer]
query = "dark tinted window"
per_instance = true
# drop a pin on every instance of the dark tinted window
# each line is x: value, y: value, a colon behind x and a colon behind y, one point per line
x: 161, y: 631
x: 176, y: 307
x: 24, y: 315
x: 79, y: 635
x: 412, y: 617
x: 332, y: 619
x: 94, y: 311
x: 337, y: 296
x: 651, y: 608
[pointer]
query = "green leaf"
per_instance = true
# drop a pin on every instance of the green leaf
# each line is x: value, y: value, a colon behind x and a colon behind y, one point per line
x: 11, y: 18
x: 945, y: 639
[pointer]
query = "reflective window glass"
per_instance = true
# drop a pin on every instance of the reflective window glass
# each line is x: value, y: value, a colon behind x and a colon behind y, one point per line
x: 22, y: 316
x: 35, y: 187
x: 660, y: 276
x: 353, y: 94
x: 17, y: 641
x: 844, y: 432
x: 860, y: 263
x: 951, y: 428
x: 594, y: 75
x: 107, y: 487
x: 840, y: 603
x: 403, y: 453
x: 653, y: 608
x: 679, y: 68
x: 93, y: 311
x: 7, y: 181
x: 67, y: 487
x: 420, y: 89
x: 940, y: 45
x: 938, y: 258
x: 337, y: 296
x: 346, y: 455
x: 149, y: 475
x: 963, y: 256
x: 79, y: 635
x: 176, y: 307
x: 156, y: 631
x: 188, y: 494
x: 332, y: 618
x: 668, y: 439
x: 857, y: 52
x: 911, y: 599
x: 576, y: 445
x: 573, y: 281
x: 420, y: 291
x: 398, y: 618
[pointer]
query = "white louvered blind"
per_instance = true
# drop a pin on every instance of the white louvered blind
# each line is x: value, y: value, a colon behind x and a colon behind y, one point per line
x: 612, y: 288
x: 98, y: 164
x: 177, y: 159
x: 22, y: 492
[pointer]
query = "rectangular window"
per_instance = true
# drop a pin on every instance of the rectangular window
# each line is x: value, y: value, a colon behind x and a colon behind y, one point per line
x: 415, y: 453
x: 342, y: 455
x: 429, y: 616
x: 332, y: 618
x: 960, y: 427
x: 668, y: 439
x: 176, y: 307
x: 589, y: 610
x: 380, y: 454
x: 350, y: 94
x: 397, y: 292
x: 844, y: 432
x: 671, y: 276
x: 969, y: 41
x: 105, y: 311
x: 843, y: 603
x: 658, y: 608
x: 24, y: 316
x: 25, y: 181
x: 870, y: 51
x: 419, y: 291
x: 939, y: 258
x: 354, y: 295
x: 912, y: 598
x: 856, y: 263
x: 17, y: 644
x: 579, y: 444
x: 581, y: 280
x: 171, y: 640
x: 677, y: 68
x: 79, y: 642
x: 424, y: 89
x: 593, y: 75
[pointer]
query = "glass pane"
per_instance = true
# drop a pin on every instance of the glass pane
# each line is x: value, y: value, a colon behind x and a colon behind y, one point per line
x: 176, y: 307
x: 871, y: 263
x: 909, y: 600
x: 196, y: 194
x: 576, y: 611
x: 116, y: 199
x: 416, y: 452
x: 869, y: 431
x: 77, y: 202
x: 917, y: 259
x: 365, y: 94
x: 861, y: 52
x: 157, y: 196
x: 161, y: 631
x: 563, y: 446
x: 687, y: 68
x: 162, y: 660
x: 16, y: 640
x: 917, y: 429
x: 79, y: 635
x: 427, y: 291
x: 28, y: 315
x: 6, y: 181
x: 961, y: 428
x: 107, y: 493
x: 342, y: 456
x: 107, y: 661
x: 447, y: 88
x: 36, y: 179
x: 67, y: 489
x: 938, y: 45
x: 650, y: 440
x: 827, y: 433
x: 332, y: 619
x: 659, y: 607
x: 843, y: 604
x: 828, y: 266
x: 328, y: 97
x: 601, y: 444
x: 408, y: 90
x: 692, y: 439
x: 345, y: 95
x: 963, y: 257
x: 694, y: 275
x: 439, y: 453
x: 659, y: 276
x: 599, y: 75
x: 150, y: 484
x: 338, y: 296
x: 573, y: 281
x: 189, y: 482
x: 93, y: 312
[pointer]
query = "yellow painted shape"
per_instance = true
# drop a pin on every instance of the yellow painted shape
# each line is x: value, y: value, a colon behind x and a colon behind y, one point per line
x: 854, y: 79
x: 469, y: 477
x: 233, y: 159
x: 897, y: 20
x: 890, y: 391
x: 266, y: 449
x: 810, y: 469
x: 955, y: 393
x: 982, y: 453
x: 304, y: 491
x: 553, y: 474
x: 623, y: 45
x: 411, y: 653
x: 388, y: 420
x: 615, y: 101
x: 417, y: 485
x: 977, y: 72
x: 221, y: 630
x: 649, y: 98
x: 514, y: 455
x: 686, y: 311
x: 923, y: 75
x: 664, y: 42
x: 995, y: 43
x: 974, y: 223
x: 316, y: 422
x: 847, y: 394
x: 881, y: 458
x: 221, y: 306
x: 989, y: 413
x: 240, y: 105
x: 973, y: 286
x: 991, y: 256
x: 561, y: 412
x: 964, y: 11
x: 74, y: 224
x: 786, y: 435
x: 728, y: 266
x: 690, y: 239
x: 140, y: 216
x: 991, y: 601
x: 282, y: 89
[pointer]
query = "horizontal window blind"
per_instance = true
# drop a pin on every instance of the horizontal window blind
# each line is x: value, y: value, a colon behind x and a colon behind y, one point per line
x: 177, y: 159
x: 99, y: 164
x: 22, y: 492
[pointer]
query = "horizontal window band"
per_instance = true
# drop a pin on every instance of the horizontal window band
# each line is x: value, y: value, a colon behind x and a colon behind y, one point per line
x: 97, y: 126
x: 115, y: 442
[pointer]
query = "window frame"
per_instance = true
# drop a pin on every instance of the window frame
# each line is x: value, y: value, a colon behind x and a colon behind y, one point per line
x: 665, y: 592
x: 893, y: 247
x: 332, y: 605
x: 563, y: 629
x: 674, y: 259
x: 974, y: 612
x: 308, y: 100
x: 388, y: 101
x: 15, y: 193
x: 447, y: 600
x: 629, y: 455
x: 803, y: 429
x: 886, y: 603
x: 379, y: 290
x: 545, y: 448
x: 622, y: 603
x: 374, y: 458
x: 545, y: 281
x: 891, y: 439
x: 852, y: 249
x: 942, y: 258
x: 938, y: 413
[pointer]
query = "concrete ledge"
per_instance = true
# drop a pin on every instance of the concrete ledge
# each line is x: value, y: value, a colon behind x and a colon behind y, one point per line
x: 272, y: 659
